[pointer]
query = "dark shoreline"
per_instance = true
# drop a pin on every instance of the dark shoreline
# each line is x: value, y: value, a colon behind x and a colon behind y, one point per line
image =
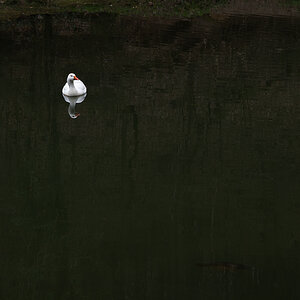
x: 163, y: 9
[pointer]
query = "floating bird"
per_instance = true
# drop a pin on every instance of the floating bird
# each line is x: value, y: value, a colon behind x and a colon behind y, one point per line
x: 74, y: 86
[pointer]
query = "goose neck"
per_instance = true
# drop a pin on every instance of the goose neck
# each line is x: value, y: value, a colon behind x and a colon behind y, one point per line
x: 71, y: 83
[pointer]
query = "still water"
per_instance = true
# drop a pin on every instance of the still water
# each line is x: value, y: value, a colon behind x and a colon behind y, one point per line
x: 178, y: 180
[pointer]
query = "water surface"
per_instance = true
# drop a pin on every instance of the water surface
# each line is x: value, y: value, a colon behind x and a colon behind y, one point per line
x: 183, y: 162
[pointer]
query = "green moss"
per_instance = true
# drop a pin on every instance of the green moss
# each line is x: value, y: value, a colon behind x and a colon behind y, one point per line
x: 295, y: 3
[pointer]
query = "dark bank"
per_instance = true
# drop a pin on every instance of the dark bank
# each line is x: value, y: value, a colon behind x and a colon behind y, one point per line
x: 10, y: 9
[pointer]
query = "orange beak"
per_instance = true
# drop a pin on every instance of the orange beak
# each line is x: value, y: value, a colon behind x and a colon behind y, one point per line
x: 76, y: 78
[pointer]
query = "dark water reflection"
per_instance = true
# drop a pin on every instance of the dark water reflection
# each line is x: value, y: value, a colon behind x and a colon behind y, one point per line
x: 185, y: 153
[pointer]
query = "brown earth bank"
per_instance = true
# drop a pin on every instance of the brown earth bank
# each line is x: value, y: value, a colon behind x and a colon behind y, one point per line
x: 166, y: 8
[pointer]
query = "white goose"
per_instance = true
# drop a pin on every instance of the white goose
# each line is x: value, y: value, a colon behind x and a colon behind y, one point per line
x: 73, y: 86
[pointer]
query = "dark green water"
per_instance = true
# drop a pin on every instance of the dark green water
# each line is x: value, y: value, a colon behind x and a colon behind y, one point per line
x: 186, y: 152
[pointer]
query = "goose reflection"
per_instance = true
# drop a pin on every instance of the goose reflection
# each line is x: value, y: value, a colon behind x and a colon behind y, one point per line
x: 73, y: 101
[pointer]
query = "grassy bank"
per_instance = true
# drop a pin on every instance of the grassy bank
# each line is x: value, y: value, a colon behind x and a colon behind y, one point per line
x: 169, y: 8
x: 175, y: 8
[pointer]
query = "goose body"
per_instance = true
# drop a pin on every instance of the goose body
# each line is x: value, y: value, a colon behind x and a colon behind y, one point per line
x: 74, y: 86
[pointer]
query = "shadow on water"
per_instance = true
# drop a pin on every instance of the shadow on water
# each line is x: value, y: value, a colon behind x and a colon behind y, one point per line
x: 180, y: 178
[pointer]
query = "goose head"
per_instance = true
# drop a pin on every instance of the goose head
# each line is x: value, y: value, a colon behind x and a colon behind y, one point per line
x: 71, y: 77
